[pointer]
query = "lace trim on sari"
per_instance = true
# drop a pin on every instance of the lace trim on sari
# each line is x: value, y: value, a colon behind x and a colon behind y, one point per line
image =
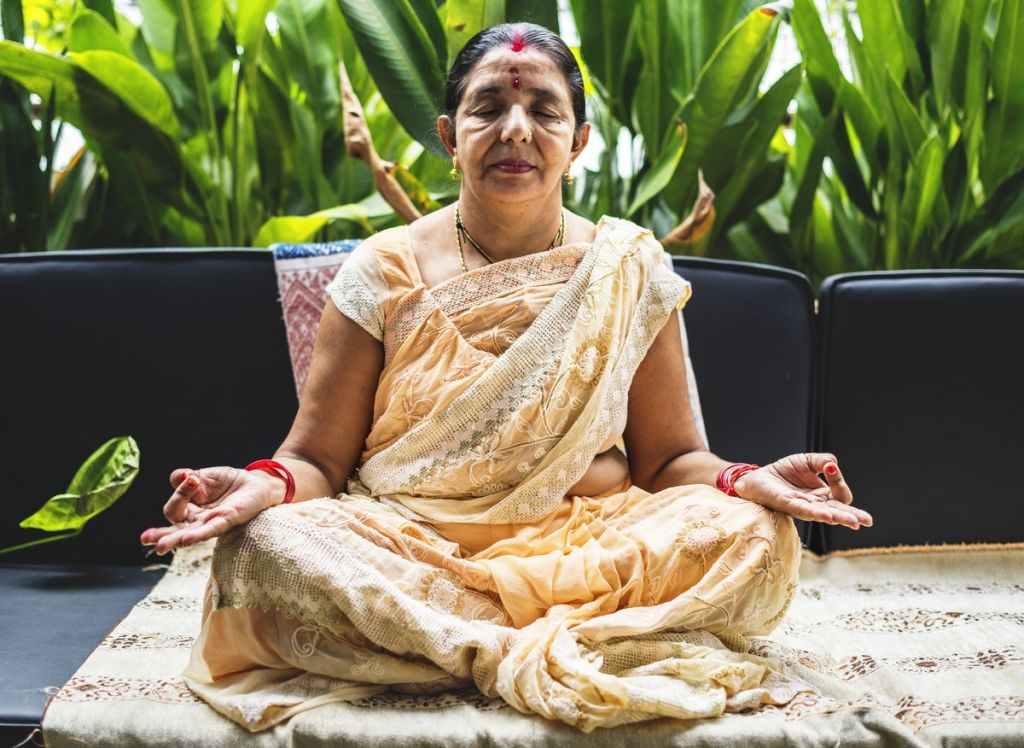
x: 464, y: 291
x: 356, y: 301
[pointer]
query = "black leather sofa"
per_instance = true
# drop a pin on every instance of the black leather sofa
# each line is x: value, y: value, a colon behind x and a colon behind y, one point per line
x: 913, y: 379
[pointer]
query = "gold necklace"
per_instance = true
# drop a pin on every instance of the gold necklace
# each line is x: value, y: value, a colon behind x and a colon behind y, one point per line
x: 460, y: 229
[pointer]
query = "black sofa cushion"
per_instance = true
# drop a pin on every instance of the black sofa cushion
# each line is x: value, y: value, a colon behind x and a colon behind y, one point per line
x: 751, y: 334
x: 750, y: 329
x: 922, y: 399
x: 183, y: 349
x: 52, y: 617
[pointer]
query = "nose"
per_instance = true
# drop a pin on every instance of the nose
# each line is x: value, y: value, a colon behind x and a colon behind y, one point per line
x: 516, y: 127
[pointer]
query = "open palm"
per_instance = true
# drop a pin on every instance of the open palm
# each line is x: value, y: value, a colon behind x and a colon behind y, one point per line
x: 208, y: 502
x: 794, y: 485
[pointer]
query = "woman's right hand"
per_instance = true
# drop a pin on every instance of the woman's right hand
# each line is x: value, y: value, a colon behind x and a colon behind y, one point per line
x: 208, y: 502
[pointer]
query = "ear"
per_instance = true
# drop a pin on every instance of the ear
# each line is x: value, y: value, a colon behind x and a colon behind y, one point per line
x: 580, y: 140
x: 446, y: 131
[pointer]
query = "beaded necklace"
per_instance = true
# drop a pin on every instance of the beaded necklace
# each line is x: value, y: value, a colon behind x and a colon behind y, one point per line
x: 460, y: 229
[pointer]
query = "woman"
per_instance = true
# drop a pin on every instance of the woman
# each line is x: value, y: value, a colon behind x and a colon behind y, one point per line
x: 457, y: 510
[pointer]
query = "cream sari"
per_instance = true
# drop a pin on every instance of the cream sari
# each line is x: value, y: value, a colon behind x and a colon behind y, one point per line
x: 456, y: 558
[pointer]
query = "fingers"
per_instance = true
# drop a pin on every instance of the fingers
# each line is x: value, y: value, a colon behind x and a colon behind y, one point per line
x: 838, y: 488
x: 830, y: 512
x: 166, y: 539
x: 193, y: 532
x: 188, y: 491
x: 177, y: 476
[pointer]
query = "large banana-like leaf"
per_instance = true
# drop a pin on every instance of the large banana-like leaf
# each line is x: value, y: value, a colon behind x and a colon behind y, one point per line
x: 91, y: 32
x: 133, y: 85
x: 294, y: 229
x: 43, y: 73
x: 403, y: 61
x: 724, y: 79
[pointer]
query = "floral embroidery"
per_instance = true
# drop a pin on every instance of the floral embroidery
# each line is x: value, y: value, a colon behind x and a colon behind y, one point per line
x: 700, y: 539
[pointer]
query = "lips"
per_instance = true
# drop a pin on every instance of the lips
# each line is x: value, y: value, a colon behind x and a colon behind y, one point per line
x: 514, y: 166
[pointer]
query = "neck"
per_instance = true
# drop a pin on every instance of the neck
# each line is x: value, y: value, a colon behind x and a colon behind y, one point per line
x: 507, y: 230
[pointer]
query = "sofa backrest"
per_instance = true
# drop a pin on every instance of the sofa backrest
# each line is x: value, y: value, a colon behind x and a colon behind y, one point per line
x: 751, y: 331
x: 182, y: 349
x: 922, y: 398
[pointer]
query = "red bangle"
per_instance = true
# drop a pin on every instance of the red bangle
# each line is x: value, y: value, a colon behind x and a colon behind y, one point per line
x: 726, y: 480
x: 276, y: 468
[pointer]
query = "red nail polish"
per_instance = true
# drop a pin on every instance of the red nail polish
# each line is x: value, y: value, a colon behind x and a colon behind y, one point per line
x: 831, y: 469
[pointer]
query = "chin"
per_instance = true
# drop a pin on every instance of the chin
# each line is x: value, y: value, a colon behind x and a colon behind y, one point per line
x: 513, y: 189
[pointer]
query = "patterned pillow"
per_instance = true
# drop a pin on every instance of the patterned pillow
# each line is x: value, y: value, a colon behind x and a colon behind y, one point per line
x: 303, y: 272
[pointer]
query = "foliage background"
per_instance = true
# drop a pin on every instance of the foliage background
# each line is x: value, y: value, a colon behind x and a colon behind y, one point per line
x: 896, y: 140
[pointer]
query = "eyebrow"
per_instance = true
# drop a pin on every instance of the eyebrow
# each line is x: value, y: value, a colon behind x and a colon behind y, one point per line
x: 540, y: 93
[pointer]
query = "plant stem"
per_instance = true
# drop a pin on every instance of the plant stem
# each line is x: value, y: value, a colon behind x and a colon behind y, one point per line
x: 40, y: 541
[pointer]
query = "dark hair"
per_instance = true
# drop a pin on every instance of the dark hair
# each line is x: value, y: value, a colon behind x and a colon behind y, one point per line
x: 517, y: 36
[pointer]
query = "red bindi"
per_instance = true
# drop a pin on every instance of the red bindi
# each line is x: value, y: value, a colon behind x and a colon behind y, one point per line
x: 518, y: 42
x: 514, y: 72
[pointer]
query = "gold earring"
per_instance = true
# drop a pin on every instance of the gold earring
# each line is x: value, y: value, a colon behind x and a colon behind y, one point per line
x: 455, y: 167
x: 570, y: 180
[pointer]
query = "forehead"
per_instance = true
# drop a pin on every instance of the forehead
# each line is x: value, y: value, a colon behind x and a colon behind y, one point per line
x: 535, y: 69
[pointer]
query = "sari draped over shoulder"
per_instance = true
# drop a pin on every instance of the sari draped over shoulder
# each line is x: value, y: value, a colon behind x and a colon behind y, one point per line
x: 455, y: 557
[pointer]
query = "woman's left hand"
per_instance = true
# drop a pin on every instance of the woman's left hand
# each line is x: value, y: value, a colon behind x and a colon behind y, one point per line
x: 793, y: 485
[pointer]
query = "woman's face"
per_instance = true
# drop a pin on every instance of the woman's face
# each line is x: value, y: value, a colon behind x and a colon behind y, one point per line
x: 514, y: 129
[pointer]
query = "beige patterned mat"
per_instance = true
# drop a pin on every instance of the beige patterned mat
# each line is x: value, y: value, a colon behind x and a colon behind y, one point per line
x: 917, y: 646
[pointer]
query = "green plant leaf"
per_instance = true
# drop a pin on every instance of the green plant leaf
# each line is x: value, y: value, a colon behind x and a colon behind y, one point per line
x: 944, y: 38
x: 924, y: 186
x: 541, y: 12
x: 45, y: 74
x: 817, y: 52
x: 803, y: 203
x: 1001, y: 214
x: 887, y: 44
x: 605, y: 29
x: 309, y: 56
x: 403, y: 61
x: 68, y: 195
x: 133, y: 85
x: 100, y: 481
x: 203, y: 18
x: 464, y: 18
x: 908, y: 125
x: 655, y: 180
x: 90, y: 31
x: 1004, y: 118
x: 724, y: 79
x: 251, y: 22
x: 13, y: 20
x: 294, y: 229
x: 105, y: 8
x: 732, y: 170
